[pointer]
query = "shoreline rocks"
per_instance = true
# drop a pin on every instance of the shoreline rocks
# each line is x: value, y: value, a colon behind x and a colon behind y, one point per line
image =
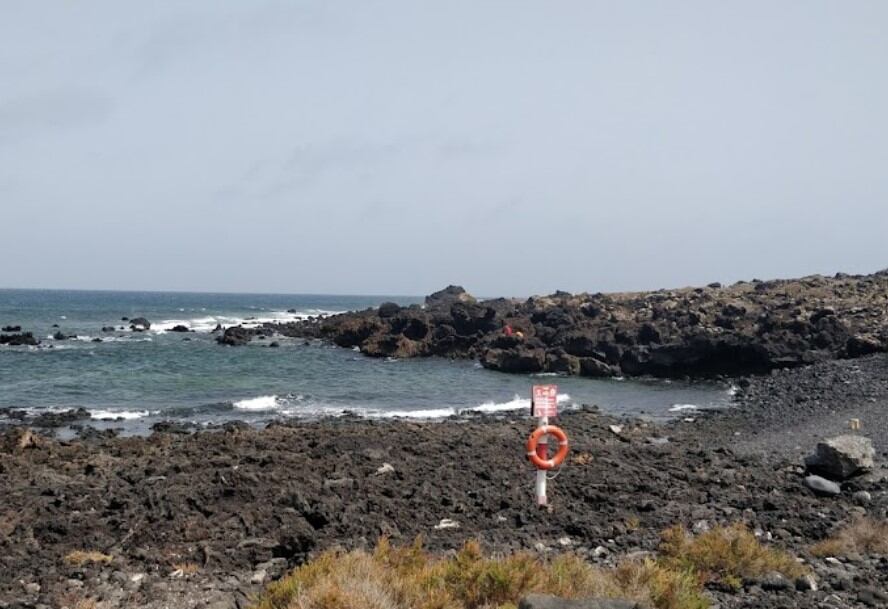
x: 747, y: 328
x: 19, y: 340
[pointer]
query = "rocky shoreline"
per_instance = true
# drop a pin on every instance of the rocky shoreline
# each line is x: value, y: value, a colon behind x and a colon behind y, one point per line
x: 746, y: 328
x: 206, y: 519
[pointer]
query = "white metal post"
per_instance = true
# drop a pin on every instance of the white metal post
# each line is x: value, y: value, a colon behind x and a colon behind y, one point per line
x: 543, y: 451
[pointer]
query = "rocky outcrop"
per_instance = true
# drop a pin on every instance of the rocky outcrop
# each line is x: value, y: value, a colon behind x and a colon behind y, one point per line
x: 180, y: 328
x: 19, y: 340
x: 139, y: 324
x: 12, y: 329
x: 236, y: 336
x: 749, y: 327
x: 448, y: 296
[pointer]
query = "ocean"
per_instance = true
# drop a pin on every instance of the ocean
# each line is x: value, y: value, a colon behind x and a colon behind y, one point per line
x: 131, y: 380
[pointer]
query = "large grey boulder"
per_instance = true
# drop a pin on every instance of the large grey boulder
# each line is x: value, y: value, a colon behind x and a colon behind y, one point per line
x: 547, y: 601
x: 841, y: 457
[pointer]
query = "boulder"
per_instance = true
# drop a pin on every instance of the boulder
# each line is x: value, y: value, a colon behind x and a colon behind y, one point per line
x: 12, y: 328
x: 389, y: 309
x: 590, y: 366
x: 822, y: 486
x: 519, y: 359
x: 547, y: 601
x: 841, y: 457
x: 562, y: 362
x: 139, y: 324
x: 858, y: 346
x: 180, y: 328
x: 449, y: 295
x: 236, y: 336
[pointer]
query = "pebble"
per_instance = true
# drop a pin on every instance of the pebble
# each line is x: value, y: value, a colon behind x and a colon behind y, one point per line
x: 447, y: 523
x: 822, y: 486
x: 806, y: 583
x: 259, y: 577
x: 32, y: 588
x: 775, y: 581
x: 862, y: 498
x: 385, y: 468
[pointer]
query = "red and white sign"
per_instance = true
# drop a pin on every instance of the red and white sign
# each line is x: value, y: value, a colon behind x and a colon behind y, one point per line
x: 545, y: 401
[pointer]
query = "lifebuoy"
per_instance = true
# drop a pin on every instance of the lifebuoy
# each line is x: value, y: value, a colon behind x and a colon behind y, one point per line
x: 534, y: 440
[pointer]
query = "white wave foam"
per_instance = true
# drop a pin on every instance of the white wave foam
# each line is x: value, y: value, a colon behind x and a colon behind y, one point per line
x: 263, y: 402
x: 209, y: 322
x: 516, y: 403
x: 129, y: 415
x: 680, y: 407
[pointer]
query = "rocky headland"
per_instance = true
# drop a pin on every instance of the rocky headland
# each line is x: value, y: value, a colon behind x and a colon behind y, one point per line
x: 748, y: 327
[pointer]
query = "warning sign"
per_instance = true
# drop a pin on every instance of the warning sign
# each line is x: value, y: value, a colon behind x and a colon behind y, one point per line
x: 545, y: 401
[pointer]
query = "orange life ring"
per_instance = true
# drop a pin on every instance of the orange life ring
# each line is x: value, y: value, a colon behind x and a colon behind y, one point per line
x: 534, y: 440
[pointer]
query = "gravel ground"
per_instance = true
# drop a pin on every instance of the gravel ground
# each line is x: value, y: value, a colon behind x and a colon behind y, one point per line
x: 202, y: 520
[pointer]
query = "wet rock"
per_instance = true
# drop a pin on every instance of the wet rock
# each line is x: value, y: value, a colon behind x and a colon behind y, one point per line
x: 841, y: 457
x: 19, y: 340
x: 58, y: 419
x: 180, y: 328
x: 822, y: 486
x: 236, y: 336
x: 12, y: 329
x: 139, y: 324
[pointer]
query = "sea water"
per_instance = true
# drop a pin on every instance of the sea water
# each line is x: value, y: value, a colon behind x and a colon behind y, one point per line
x: 132, y: 379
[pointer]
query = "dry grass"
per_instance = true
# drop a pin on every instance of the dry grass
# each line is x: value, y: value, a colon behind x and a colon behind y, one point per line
x: 411, y: 578
x: 727, y: 554
x: 863, y: 536
x: 79, y: 558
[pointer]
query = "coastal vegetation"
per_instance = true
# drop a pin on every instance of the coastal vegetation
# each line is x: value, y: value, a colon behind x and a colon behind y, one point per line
x: 862, y: 536
x: 409, y: 577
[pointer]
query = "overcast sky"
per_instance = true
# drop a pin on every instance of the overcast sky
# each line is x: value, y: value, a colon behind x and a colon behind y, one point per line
x: 514, y: 147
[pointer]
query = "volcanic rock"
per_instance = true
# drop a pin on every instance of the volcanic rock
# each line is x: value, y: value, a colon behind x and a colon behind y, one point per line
x: 841, y: 457
x: 18, y: 340
x: 448, y: 296
x: 822, y: 486
x: 747, y: 328
x: 389, y: 309
x: 139, y: 324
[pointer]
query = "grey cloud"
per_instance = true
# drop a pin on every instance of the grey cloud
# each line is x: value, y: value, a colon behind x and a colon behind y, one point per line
x: 54, y: 109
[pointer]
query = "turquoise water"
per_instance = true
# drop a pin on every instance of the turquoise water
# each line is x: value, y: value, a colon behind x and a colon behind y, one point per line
x: 157, y: 375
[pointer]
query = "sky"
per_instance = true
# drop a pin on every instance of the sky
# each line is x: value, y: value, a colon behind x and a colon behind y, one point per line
x: 393, y: 147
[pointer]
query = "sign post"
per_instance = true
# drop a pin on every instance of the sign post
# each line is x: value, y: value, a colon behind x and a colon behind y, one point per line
x: 544, y: 404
